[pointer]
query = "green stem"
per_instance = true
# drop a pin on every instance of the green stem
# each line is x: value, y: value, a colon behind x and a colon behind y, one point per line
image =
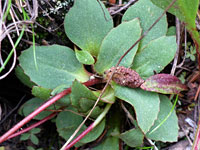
x: 16, y: 43
x: 34, y: 53
x: 165, y: 119
x: 7, y: 10
x: 92, y: 126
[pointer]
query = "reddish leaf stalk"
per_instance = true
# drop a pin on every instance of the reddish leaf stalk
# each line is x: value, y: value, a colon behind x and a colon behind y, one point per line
x: 92, y: 126
x: 42, y: 108
x: 196, y: 144
x: 80, y: 136
x: 32, y: 126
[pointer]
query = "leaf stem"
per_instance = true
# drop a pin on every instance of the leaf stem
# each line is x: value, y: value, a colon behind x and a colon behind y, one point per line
x: 92, y: 126
x: 15, y: 45
x: 7, y: 10
x: 42, y: 108
x: 196, y: 143
x: 32, y: 126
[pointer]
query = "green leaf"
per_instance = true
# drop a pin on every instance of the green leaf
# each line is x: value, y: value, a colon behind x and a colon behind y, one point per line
x: 155, y: 56
x: 85, y: 104
x: 146, y: 104
x: 87, y: 23
x: 67, y: 123
x: 2, y: 148
x: 40, y: 92
x: 30, y: 148
x: 110, y: 143
x: 56, y: 65
x: 95, y: 113
x: 116, y: 43
x: 34, y: 139
x: 35, y: 130
x: 59, y: 89
x: 94, y: 133
x: 84, y: 99
x: 84, y: 57
x: 147, y: 14
x: 81, y: 91
x: 65, y: 101
x: 168, y: 131
x: 108, y: 96
x: 25, y: 136
x: 133, y: 137
x: 33, y: 104
x: 171, y: 31
x: 23, y: 77
x: 185, y: 10
x: 163, y: 83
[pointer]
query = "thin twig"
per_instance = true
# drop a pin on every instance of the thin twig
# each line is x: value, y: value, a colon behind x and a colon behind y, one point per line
x: 12, y: 110
x: 14, y: 57
x: 14, y: 21
x: 185, y: 49
x: 124, y: 7
x: 33, y: 126
x: 127, y: 112
x: 178, y: 37
x: 152, y: 143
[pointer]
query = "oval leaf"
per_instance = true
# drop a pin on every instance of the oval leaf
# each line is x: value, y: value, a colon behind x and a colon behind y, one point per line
x: 87, y: 23
x: 56, y: 65
x: 146, y: 104
x: 65, y: 101
x: 116, y: 43
x: 155, y: 56
x: 163, y: 83
x: 40, y: 92
x: 23, y: 77
x: 110, y: 143
x: 168, y: 131
x: 34, y: 139
x: 147, y: 12
x: 133, y: 137
x: 80, y: 91
x: 33, y: 104
x: 84, y: 57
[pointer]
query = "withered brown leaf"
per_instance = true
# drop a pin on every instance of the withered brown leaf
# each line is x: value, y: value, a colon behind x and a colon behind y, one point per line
x: 125, y: 77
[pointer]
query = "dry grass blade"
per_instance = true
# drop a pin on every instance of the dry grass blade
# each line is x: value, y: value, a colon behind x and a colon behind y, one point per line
x: 178, y: 37
x: 16, y: 25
